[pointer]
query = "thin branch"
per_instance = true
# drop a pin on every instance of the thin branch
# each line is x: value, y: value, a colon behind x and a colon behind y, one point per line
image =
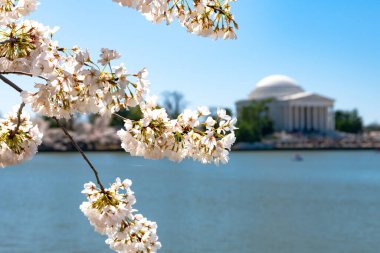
x: 17, y: 88
x: 14, y: 132
x: 81, y: 152
x: 22, y: 74
x: 10, y: 83
x: 119, y: 116
x: 122, y: 118
x: 11, y: 40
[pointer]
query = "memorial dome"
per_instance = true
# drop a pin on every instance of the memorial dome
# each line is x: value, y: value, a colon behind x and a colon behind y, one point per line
x: 275, y: 86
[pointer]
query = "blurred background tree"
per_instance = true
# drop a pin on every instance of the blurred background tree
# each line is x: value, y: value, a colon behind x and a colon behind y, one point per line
x: 174, y: 103
x: 372, y: 127
x: 67, y: 123
x: 254, y: 122
x: 348, y: 121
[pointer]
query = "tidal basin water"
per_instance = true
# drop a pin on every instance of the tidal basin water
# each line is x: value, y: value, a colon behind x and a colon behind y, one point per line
x: 262, y: 202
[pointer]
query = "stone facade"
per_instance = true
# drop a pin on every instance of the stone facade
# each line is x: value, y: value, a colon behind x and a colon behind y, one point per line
x: 293, y: 109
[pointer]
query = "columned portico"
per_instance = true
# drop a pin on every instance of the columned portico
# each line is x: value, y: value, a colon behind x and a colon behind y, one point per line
x: 291, y: 108
x: 307, y: 118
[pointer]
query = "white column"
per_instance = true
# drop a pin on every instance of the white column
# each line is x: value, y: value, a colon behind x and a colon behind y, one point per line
x: 316, y: 111
x: 285, y: 118
x: 322, y: 119
x: 290, y: 118
x: 315, y: 118
x: 312, y: 117
x: 330, y: 118
x: 299, y: 118
x: 296, y: 118
x: 308, y: 115
x: 302, y: 118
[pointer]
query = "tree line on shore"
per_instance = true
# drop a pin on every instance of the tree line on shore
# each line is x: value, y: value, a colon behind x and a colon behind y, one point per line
x: 254, y: 123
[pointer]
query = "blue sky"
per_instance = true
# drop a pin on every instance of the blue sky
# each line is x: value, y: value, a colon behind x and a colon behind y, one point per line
x: 329, y: 47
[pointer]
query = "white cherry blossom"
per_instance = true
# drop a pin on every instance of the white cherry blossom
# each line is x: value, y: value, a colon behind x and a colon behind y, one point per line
x: 209, y: 18
x: 111, y: 213
x: 19, y: 138
x: 156, y: 136
x: 72, y: 81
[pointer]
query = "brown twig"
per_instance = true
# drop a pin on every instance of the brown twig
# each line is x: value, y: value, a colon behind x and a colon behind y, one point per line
x: 119, y: 116
x: 10, y: 83
x: 11, y: 40
x: 14, y: 132
x: 81, y: 152
x: 22, y: 74
x: 17, y: 88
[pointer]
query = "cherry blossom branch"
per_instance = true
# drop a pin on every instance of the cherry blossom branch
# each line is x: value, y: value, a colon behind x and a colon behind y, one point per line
x: 10, y: 83
x: 202, y: 17
x: 11, y: 40
x: 14, y: 132
x: 17, y: 88
x: 81, y: 152
x: 119, y: 116
x: 22, y: 74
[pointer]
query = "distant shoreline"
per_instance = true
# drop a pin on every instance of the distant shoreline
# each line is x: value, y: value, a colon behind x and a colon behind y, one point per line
x: 234, y: 150
x: 307, y: 149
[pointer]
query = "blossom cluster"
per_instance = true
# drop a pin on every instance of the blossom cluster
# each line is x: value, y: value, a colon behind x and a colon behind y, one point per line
x: 14, y: 9
x: 111, y: 213
x: 72, y: 81
x: 209, y: 18
x: 76, y: 86
x: 194, y: 134
x: 19, y: 138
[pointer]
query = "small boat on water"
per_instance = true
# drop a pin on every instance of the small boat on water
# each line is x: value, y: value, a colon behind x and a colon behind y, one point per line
x: 297, y: 158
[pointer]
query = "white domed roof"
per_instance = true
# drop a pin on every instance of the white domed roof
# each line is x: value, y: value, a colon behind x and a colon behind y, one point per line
x: 275, y: 86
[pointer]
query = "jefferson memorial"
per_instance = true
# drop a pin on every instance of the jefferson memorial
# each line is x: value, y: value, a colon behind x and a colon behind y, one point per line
x: 291, y: 108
